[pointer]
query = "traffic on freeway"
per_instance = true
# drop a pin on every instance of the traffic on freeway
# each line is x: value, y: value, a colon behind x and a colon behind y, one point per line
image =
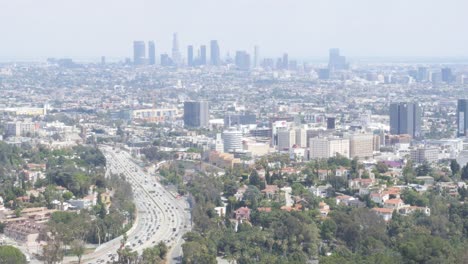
x: 161, y: 216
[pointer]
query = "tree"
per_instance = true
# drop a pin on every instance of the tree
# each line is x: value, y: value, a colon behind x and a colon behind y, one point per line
x: 381, y: 167
x: 454, y: 167
x: 408, y: 172
x: 78, y: 248
x: 195, y: 252
x: 67, y: 195
x: 155, y: 255
x: 252, y: 195
x: 11, y: 255
x: 423, y: 169
x: 254, y: 179
x: 464, y: 174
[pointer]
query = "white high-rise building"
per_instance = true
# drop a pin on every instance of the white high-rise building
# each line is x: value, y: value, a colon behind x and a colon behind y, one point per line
x: 256, y: 61
x: 361, y: 145
x: 301, y: 137
x: 232, y: 140
x: 323, y: 148
x: 218, y: 144
x: 176, y: 56
x: 286, y: 139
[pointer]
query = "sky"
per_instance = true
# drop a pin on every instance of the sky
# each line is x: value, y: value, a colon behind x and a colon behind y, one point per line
x: 302, y: 28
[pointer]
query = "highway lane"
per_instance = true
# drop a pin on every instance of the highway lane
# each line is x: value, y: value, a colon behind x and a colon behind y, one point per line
x: 161, y: 216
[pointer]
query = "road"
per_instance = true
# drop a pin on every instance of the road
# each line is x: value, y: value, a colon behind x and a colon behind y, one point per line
x: 162, y: 216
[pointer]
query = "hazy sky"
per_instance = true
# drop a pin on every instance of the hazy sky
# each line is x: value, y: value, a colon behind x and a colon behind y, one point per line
x: 303, y: 28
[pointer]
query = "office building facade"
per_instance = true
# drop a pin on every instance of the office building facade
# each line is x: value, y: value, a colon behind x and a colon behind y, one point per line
x: 215, y: 57
x: 405, y: 118
x: 151, y: 53
x: 190, y: 61
x: 462, y: 118
x: 202, y: 55
x: 139, y: 53
x: 196, y: 114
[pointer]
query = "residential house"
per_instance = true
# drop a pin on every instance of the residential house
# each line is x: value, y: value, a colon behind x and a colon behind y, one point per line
x: 379, y: 198
x: 242, y: 213
x: 344, y: 199
x: 411, y: 209
x: 394, y: 204
x: 270, y: 191
x: 342, y: 172
x: 324, y: 209
x: 321, y: 190
x: 385, y: 213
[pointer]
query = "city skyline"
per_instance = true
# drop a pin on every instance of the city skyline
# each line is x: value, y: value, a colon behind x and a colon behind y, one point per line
x: 360, y: 28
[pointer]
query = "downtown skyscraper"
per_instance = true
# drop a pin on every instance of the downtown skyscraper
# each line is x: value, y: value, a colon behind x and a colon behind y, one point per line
x: 202, y: 55
x: 139, y: 53
x: 256, y: 61
x: 190, y: 61
x: 405, y: 118
x: 176, y: 56
x: 462, y: 118
x: 242, y: 60
x: 215, y: 57
x: 336, y: 61
x: 151, y: 53
x: 196, y: 114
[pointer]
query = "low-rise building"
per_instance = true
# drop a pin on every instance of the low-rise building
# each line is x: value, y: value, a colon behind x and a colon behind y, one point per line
x: 423, y: 155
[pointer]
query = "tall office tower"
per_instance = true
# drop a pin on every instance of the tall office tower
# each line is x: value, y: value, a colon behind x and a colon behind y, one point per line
x: 336, y: 61
x: 405, y: 118
x: 462, y: 118
x: 176, y: 57
x: 256, y: 62
x: 361, y: 145
x: 423, y: 74
x: 139, y: 53
x: 214, y: 53
x: 190, y: 56
x: 446, y: 75
x: 242, y: 60
x: 330, y: 123
x: 324, y: 148
x: 301, y: 137
x: 239, y: 119
x: 286, y: 139
x: 285, y: 62
x: 166, y: 60
x: 151, y: 53
x: 202, y: 55
x: 232, y: 140
x: 196, y: 114
x: 323, y: 74
x: 103, y: 60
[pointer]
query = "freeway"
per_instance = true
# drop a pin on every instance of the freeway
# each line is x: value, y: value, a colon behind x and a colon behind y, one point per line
x: 161, y: 216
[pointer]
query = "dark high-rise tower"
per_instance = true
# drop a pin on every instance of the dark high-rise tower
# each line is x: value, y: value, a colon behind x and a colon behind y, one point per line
x: 405, y: 118
x: 285, y: 61
x: 330, y: 122
x: 242, y: 60
x: 423, y: 74
x: 214, y: 53
x: 190, y: 56
x: 196, y: 114
x: 256, y: 61
x: 151, y: 53
x: 446, y: 75
x: 336, y: 61
x: 462, y: 118
x: 139, y: 53
x: 176, y: 57
x: 202, y: 55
